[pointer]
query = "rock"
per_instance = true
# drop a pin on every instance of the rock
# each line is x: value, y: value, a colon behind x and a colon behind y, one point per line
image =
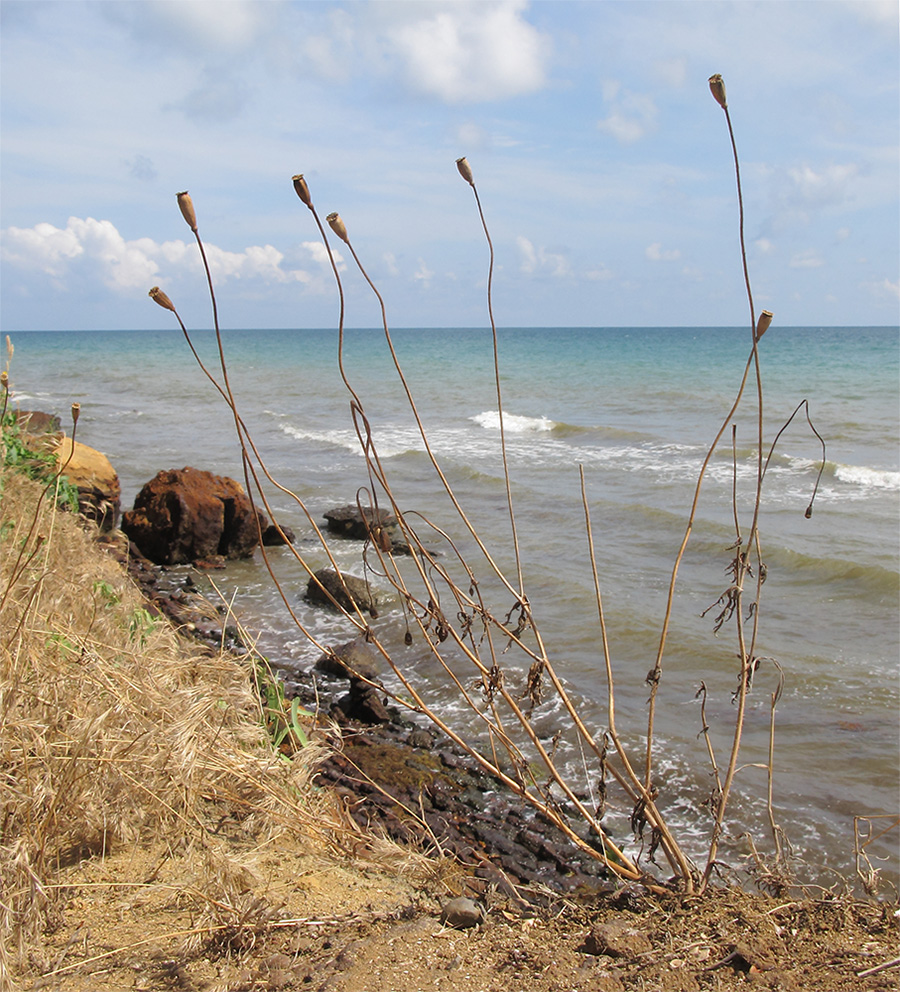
x: 183, y: 515
x: 364, y: 704
x: 379, y: 526
x: 327, y: 587
x: 352, y: 522
x: 273, y: 537
x: 421, y: 739
x: 95, y: 479
x: 355, y: 658
x: 616, y: 941
x: 35, y: 423
x: 463, y: 913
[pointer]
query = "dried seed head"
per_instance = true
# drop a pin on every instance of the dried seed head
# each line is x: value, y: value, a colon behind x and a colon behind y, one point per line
x: 465, y: 170
x: 762, y: 325
x: 76, y: 411
x: 187, y: 210
x: 337, y: 225
x: 4, y: 379
x: 158, y: 296
x: 717, y: 88
x: 302, y: 190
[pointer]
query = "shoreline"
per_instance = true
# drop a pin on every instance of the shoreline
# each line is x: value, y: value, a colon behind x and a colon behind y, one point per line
x: 263, y: 901
x: 400, y: 777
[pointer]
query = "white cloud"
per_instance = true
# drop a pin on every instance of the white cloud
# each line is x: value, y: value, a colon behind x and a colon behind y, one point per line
x: 893, y: 288
x: 764, y: 246
x: 469, y: 50
x: 631, y: 117
x: 423, y: 274
x: 539, y: 260
x: 809, y: 259
x: 121, y: 265
x: 94, y: 250
x: 198, y: 26
x: 599, y: 273
x: 656, y: 253
x: 874, y: 11
x: 390, y: 263
x: 318, y: 253
x: 819, y: 188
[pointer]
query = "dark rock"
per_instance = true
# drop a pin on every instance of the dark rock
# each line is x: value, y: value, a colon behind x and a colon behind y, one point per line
x: 359, y: 524
x: 421, y: 739
x: 364, y: 703
x: 276, y: 536
x: 327, y: 587
x: 355, y: 658
x: 380, y: 526
x: 183, y: 515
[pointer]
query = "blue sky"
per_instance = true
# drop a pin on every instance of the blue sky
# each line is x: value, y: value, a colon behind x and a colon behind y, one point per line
x: 602, y: 161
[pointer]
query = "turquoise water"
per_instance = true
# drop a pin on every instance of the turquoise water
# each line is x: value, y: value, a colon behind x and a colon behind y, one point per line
x: 637, y: 408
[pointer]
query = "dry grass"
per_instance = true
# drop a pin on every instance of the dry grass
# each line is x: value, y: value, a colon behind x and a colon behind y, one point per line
x: 117, y: 734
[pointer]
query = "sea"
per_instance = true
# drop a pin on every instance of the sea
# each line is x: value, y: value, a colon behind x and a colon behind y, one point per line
x: 632, y: 412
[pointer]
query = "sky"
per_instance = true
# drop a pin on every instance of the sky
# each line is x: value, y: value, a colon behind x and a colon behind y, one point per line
x: 602, y: 162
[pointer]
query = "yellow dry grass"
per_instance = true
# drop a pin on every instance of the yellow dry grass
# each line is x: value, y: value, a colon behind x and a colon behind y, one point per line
x: 121, y: 744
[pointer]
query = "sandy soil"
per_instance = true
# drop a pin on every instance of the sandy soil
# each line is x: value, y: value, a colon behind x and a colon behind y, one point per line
x: 138, y: 920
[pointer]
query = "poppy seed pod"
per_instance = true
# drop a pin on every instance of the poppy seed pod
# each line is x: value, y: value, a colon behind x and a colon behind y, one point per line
x: 762, y: 325
x: 187, y: 209
x: 301, y: 189
x: 158, y: 296
x: 337, y: 225
x: 465, y: 170
x: 76, y: 410
x: 717, y: 88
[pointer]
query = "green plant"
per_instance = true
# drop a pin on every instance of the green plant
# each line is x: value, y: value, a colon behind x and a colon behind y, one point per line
x: 282, y: 719
x: 22, y: 453
x: 106, y: 592
x: 141, y: 623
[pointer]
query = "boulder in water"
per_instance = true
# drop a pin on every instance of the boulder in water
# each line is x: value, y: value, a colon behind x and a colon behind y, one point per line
x: 185, y: 515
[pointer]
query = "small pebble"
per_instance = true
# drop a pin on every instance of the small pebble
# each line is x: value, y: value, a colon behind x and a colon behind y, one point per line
x: 462, y: 913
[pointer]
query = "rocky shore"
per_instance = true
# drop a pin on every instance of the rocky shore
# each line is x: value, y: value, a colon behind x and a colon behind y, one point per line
x: 503, y: 903
x: 395, y: 776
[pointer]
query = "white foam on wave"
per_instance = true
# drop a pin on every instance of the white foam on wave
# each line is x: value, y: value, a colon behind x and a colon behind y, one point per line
x: 389, y: 442
x: 870, y: 478
x: 513, y: 422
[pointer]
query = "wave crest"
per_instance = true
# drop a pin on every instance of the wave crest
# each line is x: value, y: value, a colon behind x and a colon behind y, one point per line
x: 514, y: 422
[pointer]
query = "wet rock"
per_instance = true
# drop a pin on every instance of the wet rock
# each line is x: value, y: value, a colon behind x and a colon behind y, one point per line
x: 462, y: 913
x: 420, y: 738
x: 363, y: 703
x: 183, y: 515
x: 356, y: 658
x: 366, y: 523
x: 277, y: 536
x: 349, y: 592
